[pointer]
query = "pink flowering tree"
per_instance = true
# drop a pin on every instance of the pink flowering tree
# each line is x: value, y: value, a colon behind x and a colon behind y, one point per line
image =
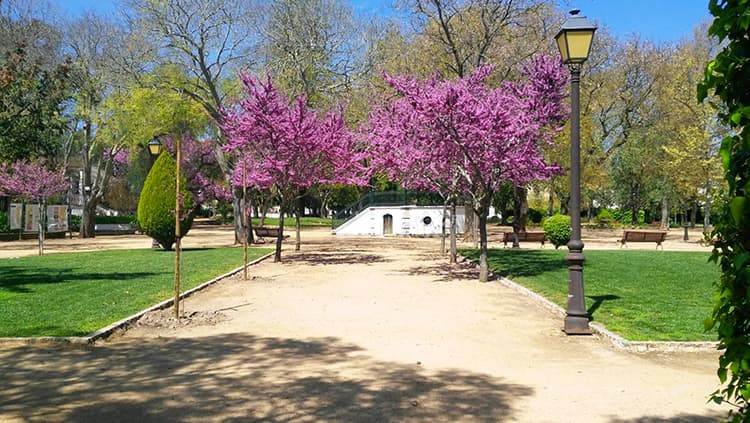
x: 463, y: 137
x: 34, y: 182
x: 200, y: 167
x: 287, y: 147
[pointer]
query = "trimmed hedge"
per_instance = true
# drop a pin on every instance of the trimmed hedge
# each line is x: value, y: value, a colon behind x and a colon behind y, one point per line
x: 4, y: 222
x: 558, y: 230
x: 157, y: 203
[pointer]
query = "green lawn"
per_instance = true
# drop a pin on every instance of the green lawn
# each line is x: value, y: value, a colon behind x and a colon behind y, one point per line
x: 641, y: 295
x: 73, y: 294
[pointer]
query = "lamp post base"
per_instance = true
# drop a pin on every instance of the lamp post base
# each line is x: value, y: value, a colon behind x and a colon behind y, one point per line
x: 577, y: 325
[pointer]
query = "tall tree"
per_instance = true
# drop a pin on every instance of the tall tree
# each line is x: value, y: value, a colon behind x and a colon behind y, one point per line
x: 692, y: 166
x: 314, y: 49
x: 34, y: 81
x: 210, y: 41
x: 88, y: 39
x: 488, y: 137
x: 471, y: 32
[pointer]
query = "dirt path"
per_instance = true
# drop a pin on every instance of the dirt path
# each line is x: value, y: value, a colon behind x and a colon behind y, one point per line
x: 355, y: 330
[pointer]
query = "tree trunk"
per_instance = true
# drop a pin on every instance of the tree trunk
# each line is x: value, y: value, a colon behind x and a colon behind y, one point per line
x: 88, y: 219
x: 264, y: 209
x: 664, y: 213
x: 523, y: 216
x: 454, y: 248
x: 475, y: 230
x: 694, y: 214
x: 565, y: 205
x: 280, y: 238
x: 707, y: 216
x: 518, y: 220
x: 297, y: 227
x: 239, y: 229
x: 483, y: 265
x: 634, y: 215
x: 442, y: 229
x: 551, y: 204
x: 468, y: 223
x: 42, y: 225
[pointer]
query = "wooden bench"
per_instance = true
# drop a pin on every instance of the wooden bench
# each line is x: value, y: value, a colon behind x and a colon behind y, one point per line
x: 262, y: 232
x: 640, y: 235
x: 524, y: 237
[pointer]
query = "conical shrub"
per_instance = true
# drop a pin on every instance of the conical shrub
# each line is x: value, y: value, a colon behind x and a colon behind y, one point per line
x: 157, y: 203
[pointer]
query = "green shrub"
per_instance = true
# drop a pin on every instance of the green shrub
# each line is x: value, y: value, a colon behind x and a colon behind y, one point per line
x: 4, y: 222
x: 493, y: 219
x: 557, y: 228
x: 75, y: 223
x: 157, y: 203
x: 535, y: 216
x: 124, y: 218
x: 605, y: 215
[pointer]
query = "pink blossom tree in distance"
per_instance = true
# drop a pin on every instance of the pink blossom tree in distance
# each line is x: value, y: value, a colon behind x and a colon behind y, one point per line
x: 287, y: 147
x: 463, y: 137
x: 32, y: 181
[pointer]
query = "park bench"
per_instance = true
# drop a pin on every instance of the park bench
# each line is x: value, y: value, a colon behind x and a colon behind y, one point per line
x: 262, y: 232
x: 639, y: 235
x: 524, y: 237
x: 114, y: 229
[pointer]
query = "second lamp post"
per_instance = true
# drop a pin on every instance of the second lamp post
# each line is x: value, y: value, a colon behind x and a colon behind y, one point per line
x: 574, y: 42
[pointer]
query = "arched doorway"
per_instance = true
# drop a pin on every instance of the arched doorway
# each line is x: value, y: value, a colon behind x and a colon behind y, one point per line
x: 387, y: 224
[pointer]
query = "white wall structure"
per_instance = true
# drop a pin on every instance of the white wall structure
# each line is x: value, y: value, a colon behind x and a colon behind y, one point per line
x: 400, y: 220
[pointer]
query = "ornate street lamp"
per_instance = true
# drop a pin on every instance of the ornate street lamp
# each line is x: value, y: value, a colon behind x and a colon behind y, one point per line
x: 574, y: 42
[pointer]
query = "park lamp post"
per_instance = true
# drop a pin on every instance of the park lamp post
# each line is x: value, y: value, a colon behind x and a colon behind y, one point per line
x: 154, y: 149
x: 574, y: 42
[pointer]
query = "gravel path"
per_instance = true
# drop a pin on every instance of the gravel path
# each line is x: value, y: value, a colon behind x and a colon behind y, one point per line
x: 354, y: 330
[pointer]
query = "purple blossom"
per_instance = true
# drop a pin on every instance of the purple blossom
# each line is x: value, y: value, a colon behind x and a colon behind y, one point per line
x: 32, y: 181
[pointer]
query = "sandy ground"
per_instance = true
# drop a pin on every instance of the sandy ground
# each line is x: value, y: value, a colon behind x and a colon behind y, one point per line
x: 354, y: 330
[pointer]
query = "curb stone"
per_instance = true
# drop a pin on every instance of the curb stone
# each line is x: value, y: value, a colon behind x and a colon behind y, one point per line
x: 124, y: 323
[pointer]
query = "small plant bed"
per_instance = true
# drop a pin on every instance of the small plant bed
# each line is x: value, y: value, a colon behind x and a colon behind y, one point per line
x: 73, y: 294
x: 640, y: 295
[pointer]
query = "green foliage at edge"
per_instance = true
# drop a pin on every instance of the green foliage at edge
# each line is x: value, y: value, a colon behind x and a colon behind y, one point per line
x: 557, y: 228
x: 728, y: 78
x: 157, y: 203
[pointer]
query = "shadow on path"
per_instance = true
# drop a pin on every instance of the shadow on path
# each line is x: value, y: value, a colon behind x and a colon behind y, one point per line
x: 233, y: 378
x: 334, y: 258
x: 682, y: 418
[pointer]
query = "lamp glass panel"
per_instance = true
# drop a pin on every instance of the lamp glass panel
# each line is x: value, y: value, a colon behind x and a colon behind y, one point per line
x: 578, y: 44
x: 562, y: 47
x: 154, y: 149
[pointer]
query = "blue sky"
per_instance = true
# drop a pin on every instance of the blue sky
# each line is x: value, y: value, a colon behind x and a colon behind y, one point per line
x: 657, y: 20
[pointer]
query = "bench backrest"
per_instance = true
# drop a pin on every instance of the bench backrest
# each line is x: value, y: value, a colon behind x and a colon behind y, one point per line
x: 644, y: 236
x: 524, y: 236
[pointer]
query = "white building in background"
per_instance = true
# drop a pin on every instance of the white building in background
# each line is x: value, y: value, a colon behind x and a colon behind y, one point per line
x: 401, y: 220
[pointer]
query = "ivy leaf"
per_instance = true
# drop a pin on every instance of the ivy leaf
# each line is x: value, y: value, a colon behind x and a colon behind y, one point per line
x: 722, y: 373
x: 726, y: 151
x: 736, y: 206
x: 741, y: 259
